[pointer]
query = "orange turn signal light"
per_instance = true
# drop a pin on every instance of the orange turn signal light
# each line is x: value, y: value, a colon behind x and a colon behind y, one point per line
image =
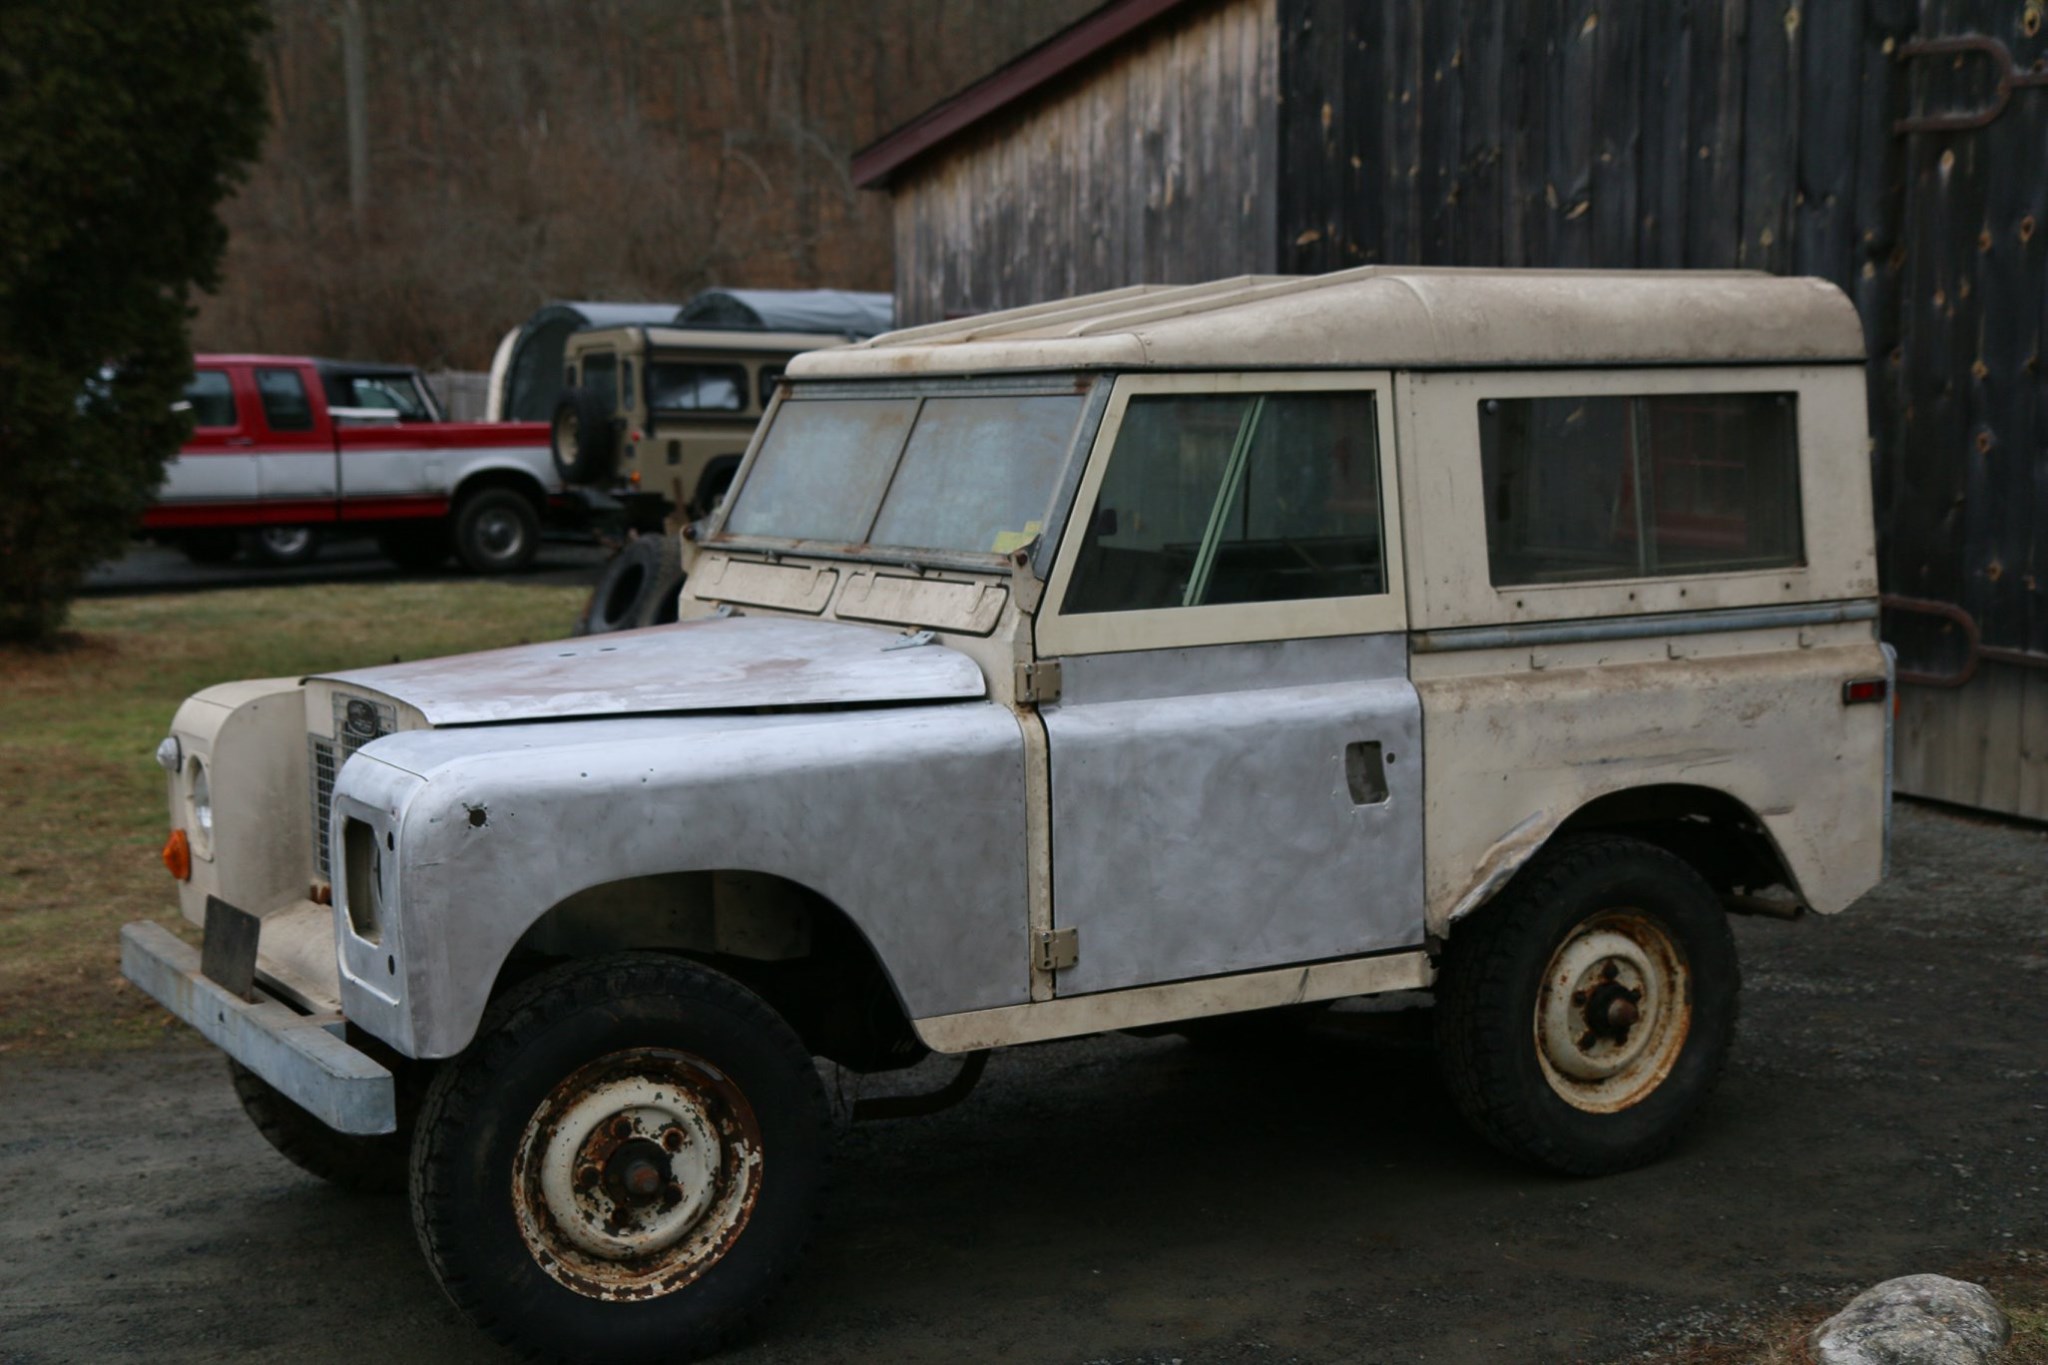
x: 178, y: 856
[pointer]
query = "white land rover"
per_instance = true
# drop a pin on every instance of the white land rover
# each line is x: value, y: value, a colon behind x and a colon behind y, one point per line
x: 1128, y: 661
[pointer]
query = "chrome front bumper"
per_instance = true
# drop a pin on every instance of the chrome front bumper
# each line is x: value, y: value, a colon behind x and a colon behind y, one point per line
x: 302, y: 1055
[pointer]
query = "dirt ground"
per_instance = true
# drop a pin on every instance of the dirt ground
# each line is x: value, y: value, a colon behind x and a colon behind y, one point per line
x: 1142, y: 1200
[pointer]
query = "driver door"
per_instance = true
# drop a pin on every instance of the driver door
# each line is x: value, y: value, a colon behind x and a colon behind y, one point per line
x: 1236, y: 771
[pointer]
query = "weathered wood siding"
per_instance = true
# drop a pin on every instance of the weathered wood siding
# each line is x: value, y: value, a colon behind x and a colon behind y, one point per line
x: 1155, y: 164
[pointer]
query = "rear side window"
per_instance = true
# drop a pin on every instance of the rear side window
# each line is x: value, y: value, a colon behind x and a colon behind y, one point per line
x: 285, y: 407
x: 212, y: 399
x: 771, y: 375
x: 385, y: 393
x: 1645, y: 486
x: 678, y: 386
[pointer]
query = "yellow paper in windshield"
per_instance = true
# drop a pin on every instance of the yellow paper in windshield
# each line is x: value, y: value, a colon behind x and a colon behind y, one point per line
x: 1007, y: 541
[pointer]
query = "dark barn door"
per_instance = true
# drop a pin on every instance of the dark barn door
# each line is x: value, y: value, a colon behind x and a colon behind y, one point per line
x: 1817, y: 138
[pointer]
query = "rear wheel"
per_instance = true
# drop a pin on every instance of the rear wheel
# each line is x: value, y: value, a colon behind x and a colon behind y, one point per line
x: 625, y: 1164
x: 496, y: 530
x: 286, y: 545
x: 367, y: 1165
x: 1584, y: 1017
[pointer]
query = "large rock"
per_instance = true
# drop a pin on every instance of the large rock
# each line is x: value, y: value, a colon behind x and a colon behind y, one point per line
x: 1914, y: 1320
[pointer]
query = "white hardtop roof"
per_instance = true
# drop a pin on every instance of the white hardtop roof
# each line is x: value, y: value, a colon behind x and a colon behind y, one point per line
x: 1385, y: 317
x: 721, y: 339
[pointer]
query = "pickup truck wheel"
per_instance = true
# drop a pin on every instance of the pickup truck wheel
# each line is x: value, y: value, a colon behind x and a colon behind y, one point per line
x: 1585, y: 1016
x: 625, y: 1164
x: 637, y: 588
x: 285, y: 545
x: 366, y: 1165
x: 496, y: 531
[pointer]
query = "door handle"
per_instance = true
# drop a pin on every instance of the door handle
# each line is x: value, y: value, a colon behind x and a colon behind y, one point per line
x: 241, y: 440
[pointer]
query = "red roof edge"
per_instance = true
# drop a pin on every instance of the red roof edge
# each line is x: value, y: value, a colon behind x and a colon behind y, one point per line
x: 877, y: 163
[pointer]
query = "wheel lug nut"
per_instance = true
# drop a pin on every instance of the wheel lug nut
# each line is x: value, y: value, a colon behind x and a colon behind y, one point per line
x: 586, y: 1176
x: 622, y: 1127
x: 673, y: 1139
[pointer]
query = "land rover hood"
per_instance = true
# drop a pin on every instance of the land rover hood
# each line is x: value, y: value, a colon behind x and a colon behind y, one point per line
x: 715, y: 664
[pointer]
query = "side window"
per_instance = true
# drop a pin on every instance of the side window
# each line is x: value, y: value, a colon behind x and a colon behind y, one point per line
x: 601, y: 376
x: 212, y: 398
x: 770, y: 376
x: 626, y: 389
x: 1639, y: 487
x: 680, y: 386
x: 285, y: 407
x: 1229, y: 498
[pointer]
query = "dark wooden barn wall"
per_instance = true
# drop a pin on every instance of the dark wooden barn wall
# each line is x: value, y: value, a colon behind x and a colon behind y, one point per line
x: 1719, y: 133
x: 1154, y: 164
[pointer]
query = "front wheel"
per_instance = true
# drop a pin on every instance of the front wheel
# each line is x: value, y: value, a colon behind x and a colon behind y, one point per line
x: 1585, y: 1016
x: 496, y: 531
x: 624, y: 1165
x: 286, y: 545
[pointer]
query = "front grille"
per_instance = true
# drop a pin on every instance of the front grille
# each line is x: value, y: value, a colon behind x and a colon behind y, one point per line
x: 356, y: 722
x: 323, y: 768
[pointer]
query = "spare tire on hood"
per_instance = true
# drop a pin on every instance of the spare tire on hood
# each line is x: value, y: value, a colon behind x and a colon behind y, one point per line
x: 638, y: 587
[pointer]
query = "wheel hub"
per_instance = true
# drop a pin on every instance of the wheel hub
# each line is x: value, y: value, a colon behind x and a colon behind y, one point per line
x: 1613, y: 1011
x: 636, y: 1174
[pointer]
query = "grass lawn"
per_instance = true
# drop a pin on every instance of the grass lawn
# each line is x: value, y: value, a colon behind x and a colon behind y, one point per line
x: 82, y: 805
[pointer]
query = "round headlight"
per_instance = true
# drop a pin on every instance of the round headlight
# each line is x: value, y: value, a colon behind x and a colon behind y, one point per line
x: 202, y: 802
x: 169, y: 756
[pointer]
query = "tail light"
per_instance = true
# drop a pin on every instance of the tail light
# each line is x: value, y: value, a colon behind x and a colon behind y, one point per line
x: 1865, y: 690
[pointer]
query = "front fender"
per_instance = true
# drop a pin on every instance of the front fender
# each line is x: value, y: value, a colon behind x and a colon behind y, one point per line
x: 910, y: 819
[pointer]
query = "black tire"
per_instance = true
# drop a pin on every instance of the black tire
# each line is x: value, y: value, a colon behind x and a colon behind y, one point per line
x: 1521, y: 1053
x: 285, y: 545
x: 583, y: 437
x: 496, y: 530
x: 210, y: 547
x: 637, y: 588
x: 416, y: 549
x: 365, y: 1165
x: 553, y: 1057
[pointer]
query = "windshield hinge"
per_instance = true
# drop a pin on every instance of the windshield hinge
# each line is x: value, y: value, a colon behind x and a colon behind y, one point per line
x: 1039, y: 682
x: 1057, y: 949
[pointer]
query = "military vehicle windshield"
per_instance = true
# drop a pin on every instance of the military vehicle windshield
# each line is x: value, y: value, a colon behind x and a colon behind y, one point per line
x: 967, y: 473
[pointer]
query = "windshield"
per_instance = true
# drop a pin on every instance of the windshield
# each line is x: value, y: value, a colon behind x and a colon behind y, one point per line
x: 972, y: 473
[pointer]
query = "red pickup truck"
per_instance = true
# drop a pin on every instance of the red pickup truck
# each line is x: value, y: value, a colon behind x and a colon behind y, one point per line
x: 284, y: 449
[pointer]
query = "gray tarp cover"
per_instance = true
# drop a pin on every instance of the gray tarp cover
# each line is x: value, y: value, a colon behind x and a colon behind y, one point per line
x: 835, y: 311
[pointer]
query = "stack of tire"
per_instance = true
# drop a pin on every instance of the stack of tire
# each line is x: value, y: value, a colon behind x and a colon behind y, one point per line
x: 638, y: 587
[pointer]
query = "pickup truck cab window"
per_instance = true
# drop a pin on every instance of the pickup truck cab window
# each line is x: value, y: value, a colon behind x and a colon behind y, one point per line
x: 385, y: 393
x: 1639, y: 486
x: 212, y: 396
x: 285, y: 405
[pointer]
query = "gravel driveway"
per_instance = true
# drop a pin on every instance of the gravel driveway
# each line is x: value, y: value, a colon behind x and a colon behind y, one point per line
x: 1130, y: 1199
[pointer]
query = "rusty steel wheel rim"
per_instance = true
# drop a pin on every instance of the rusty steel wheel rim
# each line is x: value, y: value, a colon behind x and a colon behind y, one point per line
x: 1613, y: 1012
x: 636, y: 1174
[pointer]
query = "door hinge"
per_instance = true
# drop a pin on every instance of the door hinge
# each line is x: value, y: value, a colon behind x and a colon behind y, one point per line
x: 1039, y: 682
x: 1058, y: 949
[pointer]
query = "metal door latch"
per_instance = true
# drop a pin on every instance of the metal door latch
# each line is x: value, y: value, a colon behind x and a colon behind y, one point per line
x: 1058, y: 949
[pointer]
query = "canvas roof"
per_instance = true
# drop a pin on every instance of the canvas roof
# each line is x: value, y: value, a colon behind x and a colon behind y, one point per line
x: 1386, y: 317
